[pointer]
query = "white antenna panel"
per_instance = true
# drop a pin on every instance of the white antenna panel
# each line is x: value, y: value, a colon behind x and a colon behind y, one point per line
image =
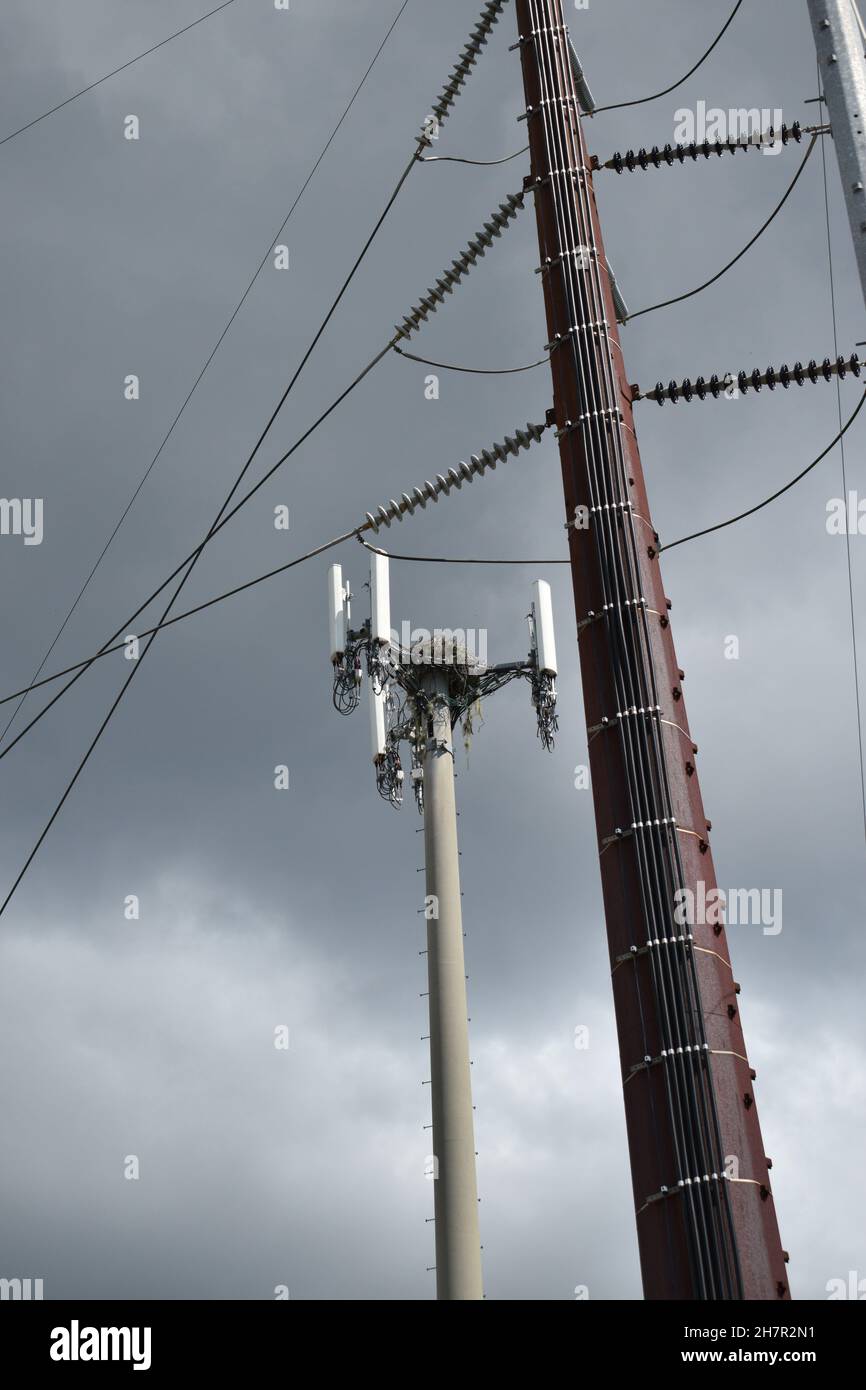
x: 337, y: 611
x: 545, y: 641
x: 380, y: 600
x: 377, y: 721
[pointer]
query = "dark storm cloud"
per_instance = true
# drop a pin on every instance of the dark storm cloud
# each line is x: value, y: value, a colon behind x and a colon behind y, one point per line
x: 155, y: 1037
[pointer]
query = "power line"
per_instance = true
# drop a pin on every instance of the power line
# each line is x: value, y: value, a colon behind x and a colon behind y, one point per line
x: 618, y: 106
x: 451, y: 560
x: 742, y: 515
x: 222, y: 516
x: 126, y: 684
x: 373, y: 521
x: 474, y: 371
x: 481, y: 163
x: 329, y: 545
x: 192, y: 558
x: 180, y: 617
x: 210, y: 358
x: 84, y: 90
x: 457, y: 78
x: 262, y: 579
x: 832, y: 288
x: 666, y: 303
x: 439, y: 560
x: 395, y: 511
x: 435, y: 296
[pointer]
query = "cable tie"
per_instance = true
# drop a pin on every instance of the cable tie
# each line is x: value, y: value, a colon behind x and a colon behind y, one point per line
x: 548, y: 101
x: 577, y: 328
x: 534, y: 33
x: 571, y: 425
x: 578, y: 252
x: 595, y: 616
x: 540, y: 180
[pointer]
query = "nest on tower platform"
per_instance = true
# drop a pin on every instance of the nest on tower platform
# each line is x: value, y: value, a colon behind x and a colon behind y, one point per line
x: 460, y: 664
x: 444, y: 651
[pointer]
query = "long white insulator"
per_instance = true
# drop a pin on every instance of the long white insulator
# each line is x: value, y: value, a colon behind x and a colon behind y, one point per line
x: 468, y: 57
x: 480, y: 243
x: 455, y: 477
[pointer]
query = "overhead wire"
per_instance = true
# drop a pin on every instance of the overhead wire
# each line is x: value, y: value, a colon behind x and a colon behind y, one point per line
x: 480, y: 464
x: 679, y: 299
x: 480, y: 163
x: 191, y: 559
x: 411, y: 322
x: 167, y: 436
x: 473, y: 371
x: 478, y: 38
x: 451, y: 560
x: 664, y: 304
x: 428, y: 305
x: 640, y: 101
x: 164, y: 622
x: 741, y: 516
x: 137, y: 59
x: 690, y: 1120
x: 414, y: 559
x: 445, y: 560
x: 179, y: 617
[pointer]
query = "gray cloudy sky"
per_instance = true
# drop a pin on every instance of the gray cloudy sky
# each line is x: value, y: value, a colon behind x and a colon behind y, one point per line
x: 261, y: 908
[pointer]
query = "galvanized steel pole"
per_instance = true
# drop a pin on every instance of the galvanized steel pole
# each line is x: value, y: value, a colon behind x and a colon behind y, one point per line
x: 840, y: 45
x: 458, y: 1243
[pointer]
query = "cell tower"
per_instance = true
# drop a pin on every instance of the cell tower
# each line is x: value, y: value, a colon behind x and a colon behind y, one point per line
x: 417, y: 694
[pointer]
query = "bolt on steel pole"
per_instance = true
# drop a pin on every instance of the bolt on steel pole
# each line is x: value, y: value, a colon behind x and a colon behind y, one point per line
x: 458, y: 1241
x: 840, y: 47
x: 704, y: 1209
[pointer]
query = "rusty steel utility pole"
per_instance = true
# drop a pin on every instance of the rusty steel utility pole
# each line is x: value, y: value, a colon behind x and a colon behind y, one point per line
x: 706, y: 1220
